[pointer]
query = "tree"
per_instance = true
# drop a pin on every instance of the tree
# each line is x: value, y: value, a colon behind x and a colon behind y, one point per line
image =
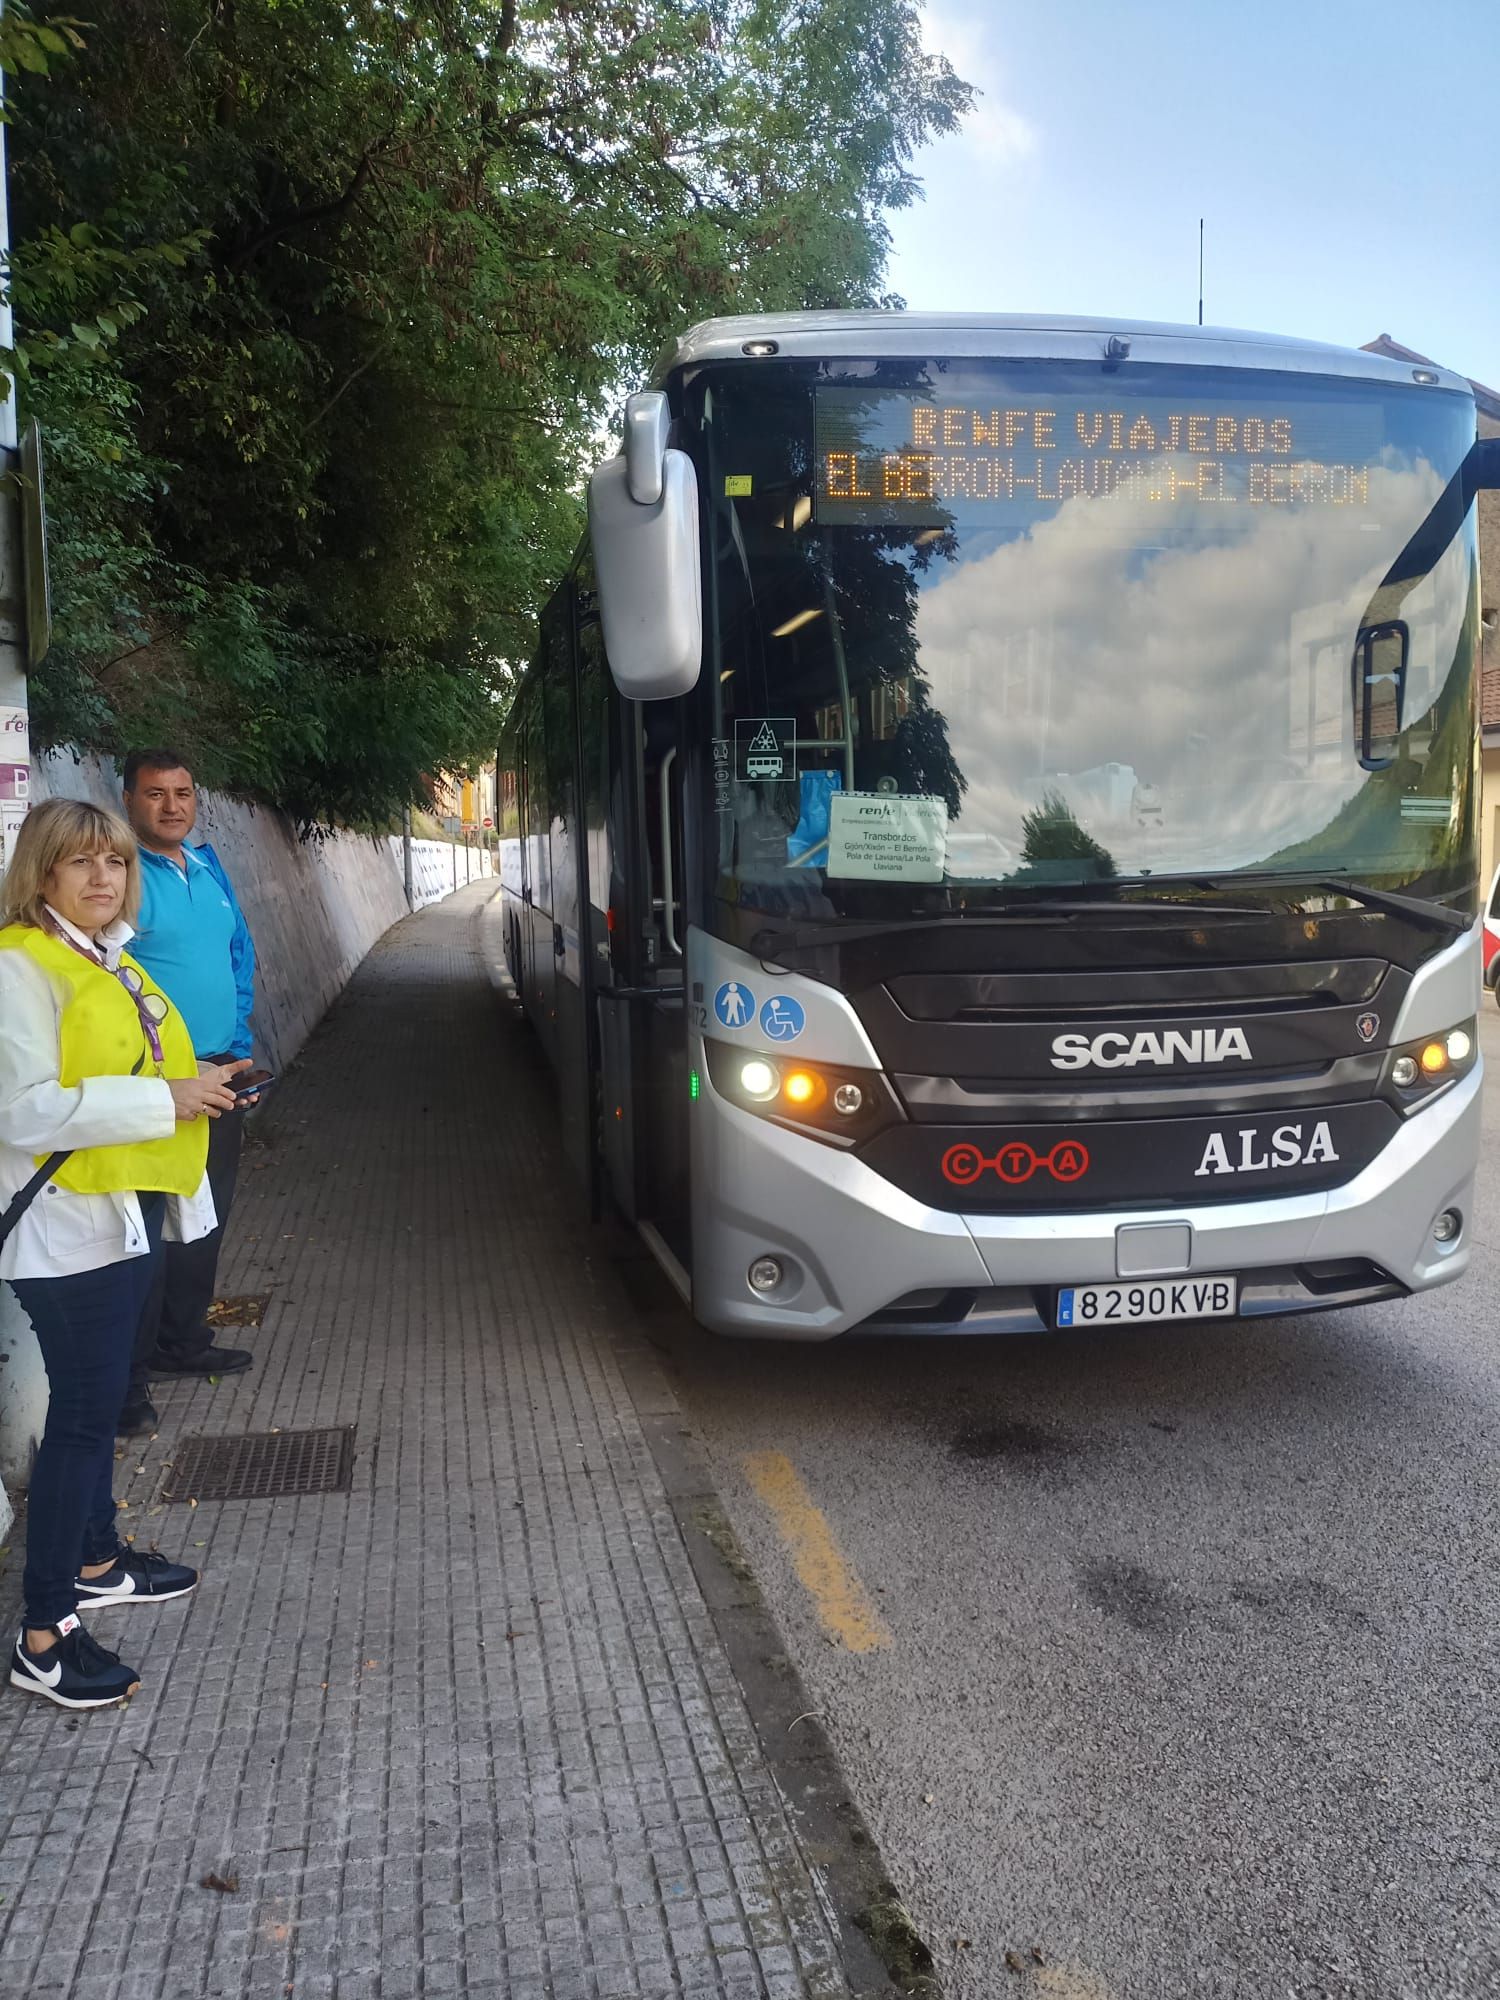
x: 1051, y: 833
x: 385, y: 273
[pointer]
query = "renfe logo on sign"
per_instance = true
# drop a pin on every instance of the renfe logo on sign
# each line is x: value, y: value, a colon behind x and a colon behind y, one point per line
x: 1287, y: 1149
x: 1172, y: 1045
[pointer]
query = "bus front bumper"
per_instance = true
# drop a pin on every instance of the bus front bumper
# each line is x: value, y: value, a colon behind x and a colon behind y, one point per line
x: 856, y: 1251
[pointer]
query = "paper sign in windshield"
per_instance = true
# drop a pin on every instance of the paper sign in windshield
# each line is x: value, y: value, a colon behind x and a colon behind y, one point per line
x: 880, y: 837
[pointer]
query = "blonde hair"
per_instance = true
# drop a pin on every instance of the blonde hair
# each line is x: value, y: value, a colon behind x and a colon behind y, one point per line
x: 50, y: 833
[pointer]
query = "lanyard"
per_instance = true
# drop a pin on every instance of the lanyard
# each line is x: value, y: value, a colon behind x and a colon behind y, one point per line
x: 134, y: 985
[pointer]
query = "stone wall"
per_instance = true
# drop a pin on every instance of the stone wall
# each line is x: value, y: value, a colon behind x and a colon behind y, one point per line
x: 314, y: 907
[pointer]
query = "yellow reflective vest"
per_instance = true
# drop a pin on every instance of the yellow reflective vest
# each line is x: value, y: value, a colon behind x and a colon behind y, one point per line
x: 101, y: 1035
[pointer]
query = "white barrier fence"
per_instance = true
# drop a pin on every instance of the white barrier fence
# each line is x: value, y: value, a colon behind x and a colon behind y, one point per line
x: 438, y: 867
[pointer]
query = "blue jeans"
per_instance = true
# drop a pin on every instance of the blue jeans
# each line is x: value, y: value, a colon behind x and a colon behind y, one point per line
x: 85, y: 1326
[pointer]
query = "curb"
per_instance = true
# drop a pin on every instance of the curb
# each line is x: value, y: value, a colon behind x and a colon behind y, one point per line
x: 884, y: 1954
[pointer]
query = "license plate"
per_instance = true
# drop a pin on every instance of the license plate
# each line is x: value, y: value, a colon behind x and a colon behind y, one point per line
x: 1135, y: 1305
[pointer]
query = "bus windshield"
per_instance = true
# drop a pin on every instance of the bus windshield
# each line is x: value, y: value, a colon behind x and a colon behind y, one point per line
x: 979, y: 626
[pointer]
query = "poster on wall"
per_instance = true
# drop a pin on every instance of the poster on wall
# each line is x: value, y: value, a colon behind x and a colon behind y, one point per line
x: 15, y: 776
x: 12, y: 812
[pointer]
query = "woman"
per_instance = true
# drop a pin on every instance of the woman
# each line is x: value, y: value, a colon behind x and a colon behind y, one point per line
x: 102, y: 1145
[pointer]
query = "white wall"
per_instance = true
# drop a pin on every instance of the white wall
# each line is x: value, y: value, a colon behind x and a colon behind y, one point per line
x: 314, y: 908
x: 438, y: 867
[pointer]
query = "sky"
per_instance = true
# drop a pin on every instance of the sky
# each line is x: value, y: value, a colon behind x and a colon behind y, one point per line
x: 1344, y: 155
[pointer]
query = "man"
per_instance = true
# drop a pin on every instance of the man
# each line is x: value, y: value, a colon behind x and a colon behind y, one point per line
x: 195, y: 943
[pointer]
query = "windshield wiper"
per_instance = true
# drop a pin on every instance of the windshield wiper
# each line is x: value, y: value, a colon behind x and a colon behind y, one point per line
x: 776, y: 939
x: 1334, y: 883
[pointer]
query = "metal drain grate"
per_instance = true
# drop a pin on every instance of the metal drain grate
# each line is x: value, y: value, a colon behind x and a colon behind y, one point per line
x: 264, y: 1466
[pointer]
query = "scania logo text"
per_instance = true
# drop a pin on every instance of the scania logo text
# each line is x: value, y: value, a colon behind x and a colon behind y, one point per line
x: 1161, y: 1049
x: 1015, y: 1162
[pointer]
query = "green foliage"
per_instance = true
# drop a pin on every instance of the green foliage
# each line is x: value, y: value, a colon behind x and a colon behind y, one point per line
x: 1051, y: 833
x: 29, y: 46
x: 325, y: 308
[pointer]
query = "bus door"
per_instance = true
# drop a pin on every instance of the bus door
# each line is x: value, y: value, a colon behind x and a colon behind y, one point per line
x: 641, y: 990
x: 563, y: 943
x: 662, y: 1064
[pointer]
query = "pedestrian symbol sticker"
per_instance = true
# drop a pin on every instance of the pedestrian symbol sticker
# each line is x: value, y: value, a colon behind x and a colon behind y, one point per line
x: 782, y: 1018
x: 765, y: 750
x: 734, y: 1005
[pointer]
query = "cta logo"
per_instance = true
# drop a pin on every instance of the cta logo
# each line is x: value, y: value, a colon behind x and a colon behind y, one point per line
x: 1015, y: 1163
x: 1113, y: 1050
x: 1288, y: 1148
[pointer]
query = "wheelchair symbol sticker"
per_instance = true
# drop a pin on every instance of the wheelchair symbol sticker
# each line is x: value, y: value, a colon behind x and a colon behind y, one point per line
x: 734, y: 1005
x: 782, y: 1019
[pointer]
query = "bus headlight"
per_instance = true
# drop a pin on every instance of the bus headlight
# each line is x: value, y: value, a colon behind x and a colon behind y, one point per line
x: 1420, y: 1071
x: 843, y: 1106
x: 759, y: 1080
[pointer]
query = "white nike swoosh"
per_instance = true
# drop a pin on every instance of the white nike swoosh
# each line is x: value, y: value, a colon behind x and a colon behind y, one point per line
x: 48, y: 1676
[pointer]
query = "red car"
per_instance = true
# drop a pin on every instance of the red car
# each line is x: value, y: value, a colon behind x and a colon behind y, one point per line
x: 1492, y: 938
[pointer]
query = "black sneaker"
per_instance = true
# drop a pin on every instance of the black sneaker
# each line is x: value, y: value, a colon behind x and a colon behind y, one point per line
x: 75, y: 1673
x: 203, y: 1361
x: 137, y: 1579
x: 137, y: 1419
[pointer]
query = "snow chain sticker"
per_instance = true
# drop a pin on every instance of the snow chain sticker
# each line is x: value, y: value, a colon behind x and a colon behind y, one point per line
x: 765, y: 750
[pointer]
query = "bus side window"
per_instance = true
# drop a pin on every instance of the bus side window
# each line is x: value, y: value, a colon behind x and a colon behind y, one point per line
x: 594, y: 724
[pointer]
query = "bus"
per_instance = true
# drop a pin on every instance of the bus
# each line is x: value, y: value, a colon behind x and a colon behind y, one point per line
x: 990, y: 828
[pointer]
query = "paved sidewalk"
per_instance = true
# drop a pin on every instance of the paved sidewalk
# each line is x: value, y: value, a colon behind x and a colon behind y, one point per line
x: 467, y: 1729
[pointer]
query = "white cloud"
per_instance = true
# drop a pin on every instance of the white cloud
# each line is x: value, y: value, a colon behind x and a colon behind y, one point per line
x: 994, y: 129
x: 1191, y: 703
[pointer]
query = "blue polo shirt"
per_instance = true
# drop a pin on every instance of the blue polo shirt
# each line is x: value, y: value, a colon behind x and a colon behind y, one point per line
x: 193, y: 939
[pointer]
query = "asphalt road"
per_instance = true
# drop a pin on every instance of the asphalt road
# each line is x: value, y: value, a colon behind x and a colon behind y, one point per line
x: 1183, y: 1646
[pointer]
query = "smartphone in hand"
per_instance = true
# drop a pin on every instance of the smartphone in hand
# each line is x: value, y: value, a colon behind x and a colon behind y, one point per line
x: 251, y: 1082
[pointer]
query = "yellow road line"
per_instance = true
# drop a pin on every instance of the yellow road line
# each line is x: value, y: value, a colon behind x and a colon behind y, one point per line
x: 840, y: 1598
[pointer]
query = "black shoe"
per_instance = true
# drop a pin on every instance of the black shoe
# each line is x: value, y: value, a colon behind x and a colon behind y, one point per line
x: 137, y: 1579
x: 138, y: 1418
x: 202, y: 1361
x: 75, y: 1673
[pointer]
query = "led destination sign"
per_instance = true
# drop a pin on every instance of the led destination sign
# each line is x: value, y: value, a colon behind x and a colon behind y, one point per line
x: 890, y: 458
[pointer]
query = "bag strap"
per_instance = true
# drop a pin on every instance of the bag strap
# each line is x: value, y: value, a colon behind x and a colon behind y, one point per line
x: 24, y: 1197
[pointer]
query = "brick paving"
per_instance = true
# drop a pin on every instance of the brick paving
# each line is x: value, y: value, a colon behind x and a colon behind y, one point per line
x: 467, y: 1729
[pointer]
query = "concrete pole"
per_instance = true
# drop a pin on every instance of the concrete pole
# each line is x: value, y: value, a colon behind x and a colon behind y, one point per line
x: 405, y: 843
x: 15, y: 739
x: 23, y: 1386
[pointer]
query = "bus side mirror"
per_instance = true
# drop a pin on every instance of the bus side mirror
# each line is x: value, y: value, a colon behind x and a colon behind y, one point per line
x: 1380, y: 655
x: 1484, y: 465
x: 643, y: 526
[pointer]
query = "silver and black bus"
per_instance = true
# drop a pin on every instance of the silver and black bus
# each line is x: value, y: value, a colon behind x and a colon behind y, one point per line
x: 991, y: 825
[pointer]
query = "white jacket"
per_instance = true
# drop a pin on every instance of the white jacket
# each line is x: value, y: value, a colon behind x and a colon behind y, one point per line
x: 61, y: 1232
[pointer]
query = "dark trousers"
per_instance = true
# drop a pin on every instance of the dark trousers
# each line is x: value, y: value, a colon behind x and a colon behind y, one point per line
x: 172, y: 1318
x: 85, y: 1326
